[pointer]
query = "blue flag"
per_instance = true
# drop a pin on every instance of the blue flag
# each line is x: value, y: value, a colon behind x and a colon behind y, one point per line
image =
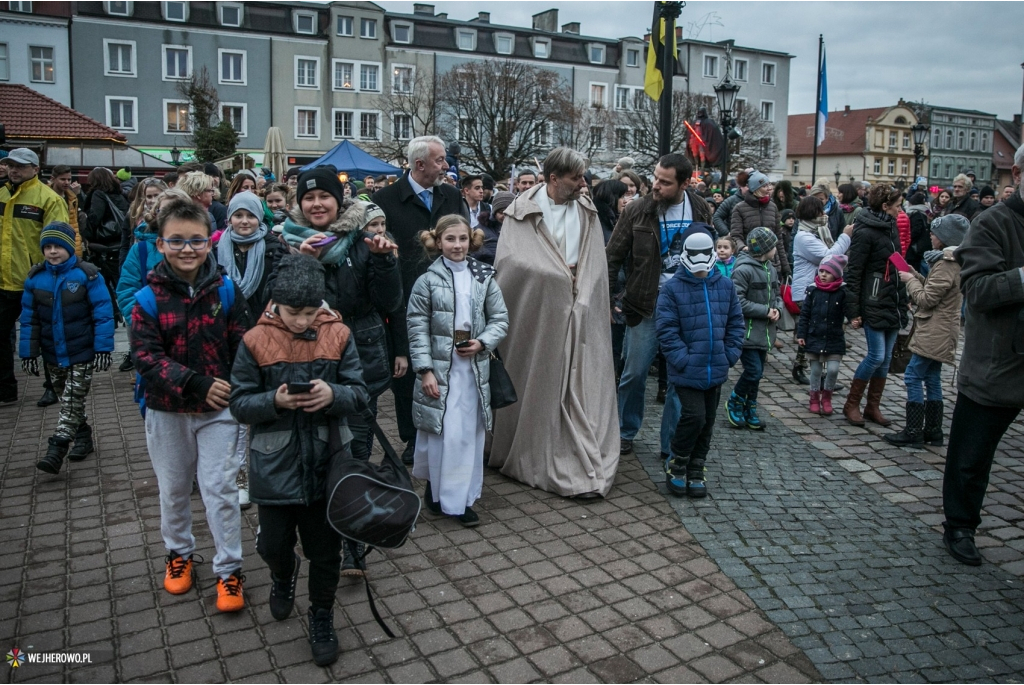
x: 823, y: 103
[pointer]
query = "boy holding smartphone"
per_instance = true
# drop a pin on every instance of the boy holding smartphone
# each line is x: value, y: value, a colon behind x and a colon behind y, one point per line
x: 296, y: 376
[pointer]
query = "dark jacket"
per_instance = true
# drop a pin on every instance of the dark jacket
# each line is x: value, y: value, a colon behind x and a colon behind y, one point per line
x: 636, y: 243
x: 97, y: 208
x: 920, y: 235
x: 66, y: 314
x: 192, y: 343
x: 836, y: 219
x: 723, y: 215
x: 288, y: 455
x: 787, y: 190
x: 820, y: 325
x: 966, y: 206
x: 492, y: 234
x: 748, y: 215
x: 272, y: 254
x: 758, y: 289
x: 700, y: 329
x: 219, y: 212
x: 875, y: 292
x: 407, y: 216
x: 992, y: 363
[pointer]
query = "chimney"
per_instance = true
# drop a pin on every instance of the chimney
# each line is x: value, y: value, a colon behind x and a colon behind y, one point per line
x: 419, y: 8
x: 571, y: 27
x: 546, y: 21
x: 846, y: 110
x: 442, y: 15
x: 484, y: 17
x: 1016, y: 120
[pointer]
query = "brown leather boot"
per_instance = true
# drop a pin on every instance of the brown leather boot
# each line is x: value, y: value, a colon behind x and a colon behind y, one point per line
x: 871, y: 410
x: 851, y: 410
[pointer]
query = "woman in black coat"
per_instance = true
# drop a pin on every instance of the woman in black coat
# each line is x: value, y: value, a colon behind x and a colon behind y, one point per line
x: 876, y: 298
x: 104, y: 227
x: 609, y: 200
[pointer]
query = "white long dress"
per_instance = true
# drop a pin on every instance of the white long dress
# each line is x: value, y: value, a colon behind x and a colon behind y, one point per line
x: 453, y: 462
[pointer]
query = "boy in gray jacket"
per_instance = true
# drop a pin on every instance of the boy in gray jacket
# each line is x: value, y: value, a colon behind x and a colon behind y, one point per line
x: 757, y: 286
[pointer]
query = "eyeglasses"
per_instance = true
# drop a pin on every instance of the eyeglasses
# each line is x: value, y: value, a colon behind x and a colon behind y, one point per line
x: 178, y: 244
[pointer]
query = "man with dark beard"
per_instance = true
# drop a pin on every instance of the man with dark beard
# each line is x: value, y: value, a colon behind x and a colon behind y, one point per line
x: 648, y: 238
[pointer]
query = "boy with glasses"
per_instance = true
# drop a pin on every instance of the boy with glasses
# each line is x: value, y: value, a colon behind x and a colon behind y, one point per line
x: 184, y: 355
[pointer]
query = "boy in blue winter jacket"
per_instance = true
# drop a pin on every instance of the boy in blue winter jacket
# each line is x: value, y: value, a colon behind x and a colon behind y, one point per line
x: 700, y: 329
x: 66, y: 315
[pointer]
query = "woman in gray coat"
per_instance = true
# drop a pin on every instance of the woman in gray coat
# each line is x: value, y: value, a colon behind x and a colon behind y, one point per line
x: 456, y: 316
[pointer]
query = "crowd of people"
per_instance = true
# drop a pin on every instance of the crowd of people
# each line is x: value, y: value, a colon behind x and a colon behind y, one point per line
x: 264, y: 316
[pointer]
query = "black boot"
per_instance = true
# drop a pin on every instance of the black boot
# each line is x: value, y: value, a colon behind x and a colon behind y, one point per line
x: 49, y: 397
x: 282, y: 593
x: 353, y: 564
x: 428, y: 498
x: 55, y: 453
x: 800, y: 367
x: 83, y: 443
x: 409, y: 452
x: 126, y: 363
x: 323, y: 641
x: 933, y: 423
x: 911, y: 434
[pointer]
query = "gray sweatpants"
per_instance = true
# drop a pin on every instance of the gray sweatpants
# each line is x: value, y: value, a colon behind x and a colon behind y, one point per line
x: 183, y: 446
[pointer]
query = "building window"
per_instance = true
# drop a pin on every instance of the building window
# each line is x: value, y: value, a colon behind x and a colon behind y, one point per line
x: 177, y: 62
x: 368, y: 128
x: 877, y: 166
x: 504, y: 43
x: 342, y: 124
x: 177, y: 117
x: 621, y: 97
x: 5, y: 69
x: 306, y: 122
x: 796, y: 167
x: 401, y: 78
x: 768, y: 73
x: 936, y: 168
x: 766, y: 147
x: 904, y: 167
x: 119, y: 9
x: 710, y: 66
x: 597, y: 93
x: 344, y: 26
x: 949, y: 139
x: 960, y: 140
x: 936, y: 141
x: 230, y: 15
x: 596, y: 54
x: 121, y: 114
x: 401, y: 32
x: 739, y: 69
x: 465, y: 129
x: 367, y: 28
x: 622, y: 139
x: 232, y: 67
x: 235, y: 114
x: 767, y: 110
x: 20, y: 7
x: 596, y: 137
x: 343, y: 76
x: 176, y: 11
x: 42, y: 64
x: 466, y: 39
x: 403, y: 127
x: 120, y: 57
x: 632, y: 57
x: 949, y: 170
x: 892, y: 139
x: 984, y: 142
x: 307, y: 72
x: 739, y: 106
x: 639, y: 139
x: 974, y: 141
x: 542, y: 134
x: 305, y: 22
x: 368, y: 74
x: 906, y: 141
x: 541, y: 48
x: 890, y: 167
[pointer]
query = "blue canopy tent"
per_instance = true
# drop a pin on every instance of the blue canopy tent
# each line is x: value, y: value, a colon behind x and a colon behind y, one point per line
x: 348, y: 157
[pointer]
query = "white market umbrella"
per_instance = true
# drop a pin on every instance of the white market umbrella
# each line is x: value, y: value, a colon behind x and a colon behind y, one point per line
x: 274, y: 152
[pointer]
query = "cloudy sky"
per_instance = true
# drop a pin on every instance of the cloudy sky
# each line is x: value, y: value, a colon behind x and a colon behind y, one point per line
x: 957, y: 54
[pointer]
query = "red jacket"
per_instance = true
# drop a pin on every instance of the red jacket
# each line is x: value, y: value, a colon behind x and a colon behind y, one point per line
x: 903, y: 226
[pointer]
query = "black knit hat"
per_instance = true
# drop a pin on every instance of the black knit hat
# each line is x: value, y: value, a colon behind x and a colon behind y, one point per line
x: 299, y: 281
x: 321, y: 178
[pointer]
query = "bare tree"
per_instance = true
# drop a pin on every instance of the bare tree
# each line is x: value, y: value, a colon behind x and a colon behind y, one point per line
x: 582, y: 126
x: 413, y: 106
x: 759, y: 146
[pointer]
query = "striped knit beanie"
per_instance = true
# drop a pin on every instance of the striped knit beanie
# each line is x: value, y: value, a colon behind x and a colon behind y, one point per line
x: 58, y: 233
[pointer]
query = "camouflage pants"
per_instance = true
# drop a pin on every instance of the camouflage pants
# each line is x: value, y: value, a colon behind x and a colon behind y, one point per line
x: 72, y: 386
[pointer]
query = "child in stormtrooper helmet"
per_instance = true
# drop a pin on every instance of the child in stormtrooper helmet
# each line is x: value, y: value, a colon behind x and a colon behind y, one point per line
x: 700, y: 329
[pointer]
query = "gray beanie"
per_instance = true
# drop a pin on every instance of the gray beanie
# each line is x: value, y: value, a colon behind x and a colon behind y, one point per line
x: 299, y: 281
x: 760, y: 241
x: 951, y: 229
x: 756, y: 181
x: 249, y: 201
x: 501, y: 201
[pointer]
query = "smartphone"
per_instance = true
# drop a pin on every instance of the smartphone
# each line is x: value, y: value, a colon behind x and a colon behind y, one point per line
x: 464, y: 343
x: 325, y: 242
x: 300, y: 388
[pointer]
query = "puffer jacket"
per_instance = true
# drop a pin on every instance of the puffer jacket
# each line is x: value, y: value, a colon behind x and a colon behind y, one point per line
x: 876, y: 294
x: 288, y: 453
x: 937, y: 300
x: 723, y: 215
x: 66, y: 314
x: 700, y: 329
x: 750, y: 214
x: 431, y: 319
x: 920, y: 241
x: 808, y: 252
x: 757, y: 287
x: 133, y: 273
x: 24, y: 210
x: 903, y: 228
x: 359, y: 288
x: 820, y: 325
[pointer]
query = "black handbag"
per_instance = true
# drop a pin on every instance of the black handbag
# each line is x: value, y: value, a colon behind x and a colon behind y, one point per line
x: 901, y: 353
x: 503, y: 393
x: 110, y: 230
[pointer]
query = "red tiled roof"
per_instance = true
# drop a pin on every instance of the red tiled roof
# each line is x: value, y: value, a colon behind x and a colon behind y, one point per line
x: 844, y: 132
x: 29, y: 114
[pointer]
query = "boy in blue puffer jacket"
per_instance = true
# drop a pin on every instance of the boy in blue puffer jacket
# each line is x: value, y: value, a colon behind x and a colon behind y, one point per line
x: 700, y: 329
x: 67, y: 316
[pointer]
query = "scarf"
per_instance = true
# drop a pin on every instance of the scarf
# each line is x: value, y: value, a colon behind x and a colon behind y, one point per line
x: 932, y: 256
x: 827, y: 287
x: 294, y: 235
x: 830, y: 204
x: 818, y: 227
x: 250, y: 280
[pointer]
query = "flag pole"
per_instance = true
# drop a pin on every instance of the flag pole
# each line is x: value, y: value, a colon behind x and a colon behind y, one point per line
x: 817, y: 119
x: 669, y: 12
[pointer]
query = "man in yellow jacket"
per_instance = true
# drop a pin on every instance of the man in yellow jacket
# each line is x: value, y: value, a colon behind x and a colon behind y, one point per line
x: 26, y: 205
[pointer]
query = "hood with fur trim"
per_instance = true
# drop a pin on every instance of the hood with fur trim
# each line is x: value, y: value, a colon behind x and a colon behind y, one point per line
x: 349, y: 218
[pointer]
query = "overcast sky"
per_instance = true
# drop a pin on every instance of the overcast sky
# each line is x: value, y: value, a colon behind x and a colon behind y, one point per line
x: 957, y: 54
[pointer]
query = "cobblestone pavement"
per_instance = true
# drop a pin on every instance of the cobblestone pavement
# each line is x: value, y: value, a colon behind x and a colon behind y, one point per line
x: 815, y: 558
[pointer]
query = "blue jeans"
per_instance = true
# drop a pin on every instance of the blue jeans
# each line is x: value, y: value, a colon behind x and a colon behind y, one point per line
x: 640, y: 347
x: 753, y: 368
x: 925, y: 372
x: 880, y: 344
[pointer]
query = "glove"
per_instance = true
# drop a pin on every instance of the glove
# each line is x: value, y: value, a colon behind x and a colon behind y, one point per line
x: 101, y: 361
x: 30, y: 365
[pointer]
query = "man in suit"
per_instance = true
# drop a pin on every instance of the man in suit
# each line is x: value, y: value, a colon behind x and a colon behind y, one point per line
x: 412, y: 204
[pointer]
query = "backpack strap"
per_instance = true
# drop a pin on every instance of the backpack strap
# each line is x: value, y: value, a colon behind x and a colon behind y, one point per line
x: 226, y: 290
x: 147, y: 300
x: 90, y: 270
x: 143, y: 255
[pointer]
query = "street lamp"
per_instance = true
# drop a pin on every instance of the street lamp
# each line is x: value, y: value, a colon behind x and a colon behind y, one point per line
x: 175, y: 156
x: 837, y: 175
x: 726, y: 93
x: 920, y: 135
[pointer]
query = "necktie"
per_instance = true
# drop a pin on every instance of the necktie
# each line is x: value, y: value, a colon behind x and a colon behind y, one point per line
x: 427, y: 197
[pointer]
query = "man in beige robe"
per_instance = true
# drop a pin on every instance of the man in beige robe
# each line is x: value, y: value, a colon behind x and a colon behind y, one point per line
x: 562, y: 435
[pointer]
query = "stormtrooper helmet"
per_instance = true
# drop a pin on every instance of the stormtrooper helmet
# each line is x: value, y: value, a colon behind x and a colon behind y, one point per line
x: 699, y: 252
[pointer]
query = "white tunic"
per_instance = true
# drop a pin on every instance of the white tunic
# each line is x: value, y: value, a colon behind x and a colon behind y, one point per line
x: 453, y: 462
x: 563, y: 222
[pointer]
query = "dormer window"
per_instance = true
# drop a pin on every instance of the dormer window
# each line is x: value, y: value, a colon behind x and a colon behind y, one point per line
x: 230, y: 14
x: 466, y: 39
x: 596, y: 54
x: 305, y: 22
x: 176, y: 11
x: 118, y: 9
x: 504, y: 43
x: 541, y: 48
x: 632, y: 57
x: 401, y: 32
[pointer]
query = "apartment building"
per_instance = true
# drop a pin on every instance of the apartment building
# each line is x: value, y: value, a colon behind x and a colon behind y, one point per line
x: 961, y: 140
x: 34, y: 48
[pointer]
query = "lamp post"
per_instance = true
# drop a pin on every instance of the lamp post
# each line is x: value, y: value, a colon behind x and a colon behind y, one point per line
x: 726, y: 93
x: 920, y: 135
x: 837, y: 175
x: 175, y: 156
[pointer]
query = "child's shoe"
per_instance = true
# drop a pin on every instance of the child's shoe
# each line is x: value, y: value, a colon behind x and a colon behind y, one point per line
x: 242, y: 481
x: 323, y: 641
x: 282, y: 593
x: 229, y: 593
x: 736, y: 409
x: 674, y: 478
x: 753, y: 421
x: 826, y: 403
x: 815, y: 405
x: 353, y: 564
x: 54, y: 458
x: 696, y: 487
x: 179, y: 575
x: 83, y: 443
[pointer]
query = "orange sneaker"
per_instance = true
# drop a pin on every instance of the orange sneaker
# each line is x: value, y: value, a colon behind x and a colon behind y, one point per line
x: 179, y: 576
x: 229, y: 593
